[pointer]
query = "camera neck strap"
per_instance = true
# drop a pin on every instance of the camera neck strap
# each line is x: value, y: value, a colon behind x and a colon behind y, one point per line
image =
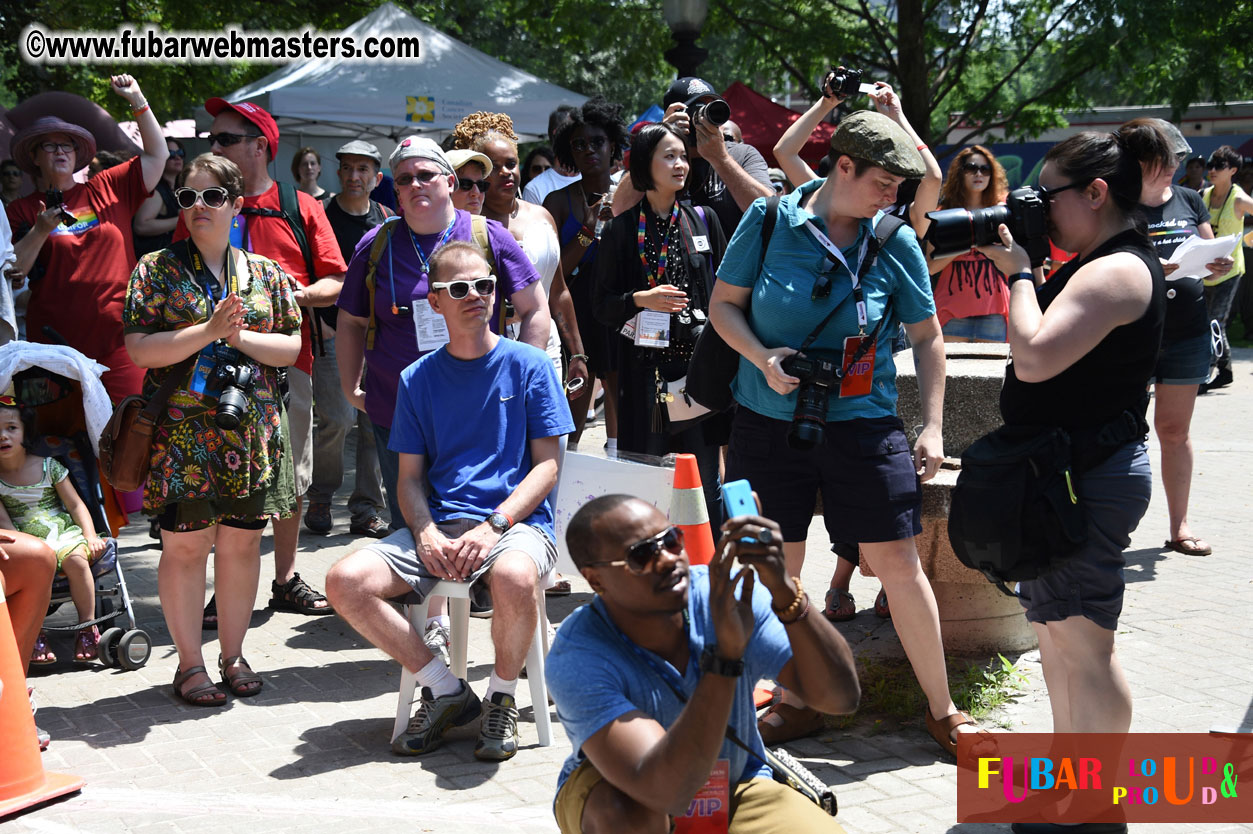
x: 835, y: 255
x: 186, y: 253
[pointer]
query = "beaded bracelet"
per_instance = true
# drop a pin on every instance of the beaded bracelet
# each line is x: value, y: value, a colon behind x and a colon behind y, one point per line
x: 582, y: 356
x: 790, y: 613
x: 798, y: 617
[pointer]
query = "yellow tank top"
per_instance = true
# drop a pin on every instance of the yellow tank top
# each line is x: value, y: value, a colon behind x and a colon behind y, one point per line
x: 1225, y: 222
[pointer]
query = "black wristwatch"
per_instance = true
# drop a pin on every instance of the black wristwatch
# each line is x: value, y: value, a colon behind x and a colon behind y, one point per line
x: 711, y: 663
x: 499, y: 522
x: 1021, y: 276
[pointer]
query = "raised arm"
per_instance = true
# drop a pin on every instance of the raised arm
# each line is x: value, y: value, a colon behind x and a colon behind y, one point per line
x: 155, y: 151
x: 787, y: 151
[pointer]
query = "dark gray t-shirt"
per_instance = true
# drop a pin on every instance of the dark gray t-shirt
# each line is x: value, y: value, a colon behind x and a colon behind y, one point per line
x: 1170, y: 224
x: 706, y: 188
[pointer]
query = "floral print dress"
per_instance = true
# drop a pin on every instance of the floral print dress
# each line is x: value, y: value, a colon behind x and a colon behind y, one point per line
x: 218, y: 473
x: 36, y: 509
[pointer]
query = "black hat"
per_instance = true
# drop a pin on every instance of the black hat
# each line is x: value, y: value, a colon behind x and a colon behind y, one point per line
x: 687, y: 90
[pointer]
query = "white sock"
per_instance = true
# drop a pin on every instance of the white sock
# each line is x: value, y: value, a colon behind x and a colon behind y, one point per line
x: 611, y: 446
x: 438, y: 679
x: 499, y: 684
x: 442, y: 619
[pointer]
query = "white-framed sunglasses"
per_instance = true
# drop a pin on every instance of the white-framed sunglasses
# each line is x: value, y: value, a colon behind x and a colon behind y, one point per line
x: 458, y: 290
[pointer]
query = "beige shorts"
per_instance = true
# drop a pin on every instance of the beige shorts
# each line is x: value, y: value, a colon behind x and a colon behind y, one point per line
x: 300, y: 420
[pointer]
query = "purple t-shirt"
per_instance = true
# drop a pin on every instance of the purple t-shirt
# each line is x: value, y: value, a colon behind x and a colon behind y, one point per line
x: 395, y: 342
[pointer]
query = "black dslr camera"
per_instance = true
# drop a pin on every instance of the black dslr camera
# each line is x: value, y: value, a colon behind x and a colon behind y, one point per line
x: 54, y: 198
x: 842, y: 82
x: 959, y: 230
x: 231, y: 380
x: 818, y: 377
x: 716, y: 112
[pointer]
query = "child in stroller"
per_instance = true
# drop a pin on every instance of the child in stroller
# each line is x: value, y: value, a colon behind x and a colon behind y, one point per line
x: 37, y: 497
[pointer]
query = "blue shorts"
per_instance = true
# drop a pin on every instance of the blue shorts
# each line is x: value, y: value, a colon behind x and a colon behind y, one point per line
x: 865, y: 471
x: 1184, y: 361
x: 980, y: 328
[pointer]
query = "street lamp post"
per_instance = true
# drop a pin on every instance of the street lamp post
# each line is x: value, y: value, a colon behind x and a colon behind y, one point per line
x: 685, y: 18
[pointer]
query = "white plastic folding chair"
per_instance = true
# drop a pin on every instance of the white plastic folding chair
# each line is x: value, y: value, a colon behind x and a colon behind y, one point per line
x: 458, y: 594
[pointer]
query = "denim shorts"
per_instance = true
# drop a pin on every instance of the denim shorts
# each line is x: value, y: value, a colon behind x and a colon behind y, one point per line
x: 990, y: 328
x: 864, y: 469
x: 1090, y: 584
x: 1184, y: 361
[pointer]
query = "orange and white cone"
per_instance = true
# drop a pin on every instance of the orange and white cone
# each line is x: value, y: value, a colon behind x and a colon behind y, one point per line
x: 689, y: 513
x: 23, y: 782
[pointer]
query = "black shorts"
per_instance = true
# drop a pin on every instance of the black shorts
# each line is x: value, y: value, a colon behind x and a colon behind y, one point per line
x: 168, y: 519
x: 865, y: 470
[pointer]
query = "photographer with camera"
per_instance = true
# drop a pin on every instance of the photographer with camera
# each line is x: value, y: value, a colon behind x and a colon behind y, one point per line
x: 225, y: 321
x: 825, y: 418
x: 725, y: 177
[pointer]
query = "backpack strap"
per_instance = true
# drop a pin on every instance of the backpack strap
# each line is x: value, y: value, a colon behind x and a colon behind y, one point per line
x: 377, y: 246
x: 478, y: 233
x: 289, y: 210
x: 767, y: 228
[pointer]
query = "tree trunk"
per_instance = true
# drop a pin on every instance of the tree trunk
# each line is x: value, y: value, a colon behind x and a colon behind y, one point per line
x: 911, y: 58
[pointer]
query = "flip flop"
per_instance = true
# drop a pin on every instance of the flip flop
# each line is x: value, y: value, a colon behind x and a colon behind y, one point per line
x: 845, y: 607
x: 1189, y: 546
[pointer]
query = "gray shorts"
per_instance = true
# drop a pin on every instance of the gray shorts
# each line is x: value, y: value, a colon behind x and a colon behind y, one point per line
x: 400, y: 552
x: 300, y: 417
x: 1090, y: 584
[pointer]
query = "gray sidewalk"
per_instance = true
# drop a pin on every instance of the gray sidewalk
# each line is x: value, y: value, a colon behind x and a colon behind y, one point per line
x: 311, y: 751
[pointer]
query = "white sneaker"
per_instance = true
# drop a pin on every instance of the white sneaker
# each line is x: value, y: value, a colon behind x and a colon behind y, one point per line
x: 436, y: 639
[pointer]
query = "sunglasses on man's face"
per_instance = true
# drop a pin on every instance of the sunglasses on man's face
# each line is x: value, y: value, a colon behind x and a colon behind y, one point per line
x: 1215, y: 166
x: 458, y: 290
x: 225, y: 140
x: 973, y: 168
x: 641, y: 555
x: 464, y: 184
x: 420, y: 178
x: 213, y: 197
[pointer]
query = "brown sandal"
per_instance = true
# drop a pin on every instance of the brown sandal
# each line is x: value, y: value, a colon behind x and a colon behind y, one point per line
x: 841, y: 607
x: 942, y: 729
x: 798, y: 722
x: 242, y: 681
x: 205, y: 695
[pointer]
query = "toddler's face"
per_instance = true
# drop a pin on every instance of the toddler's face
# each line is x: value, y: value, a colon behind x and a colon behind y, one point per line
x: 11, y: 433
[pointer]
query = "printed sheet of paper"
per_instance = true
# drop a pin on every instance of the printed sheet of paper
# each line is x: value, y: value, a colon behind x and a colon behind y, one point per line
x: 430, y: 325
x: 1195, y: 252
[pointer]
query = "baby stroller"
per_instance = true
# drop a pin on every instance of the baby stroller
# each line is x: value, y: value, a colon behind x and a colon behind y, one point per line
x: 71, y: 407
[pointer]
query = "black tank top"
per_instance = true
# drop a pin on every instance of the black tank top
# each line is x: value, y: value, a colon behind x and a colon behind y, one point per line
x: 1110, y: 378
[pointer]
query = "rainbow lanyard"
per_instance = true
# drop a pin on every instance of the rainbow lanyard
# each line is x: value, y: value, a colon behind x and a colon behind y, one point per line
x: 655, y: 278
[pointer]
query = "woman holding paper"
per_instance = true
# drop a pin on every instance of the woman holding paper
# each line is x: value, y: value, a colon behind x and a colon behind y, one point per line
x: 1174, y: 214
x: 1228, y: 205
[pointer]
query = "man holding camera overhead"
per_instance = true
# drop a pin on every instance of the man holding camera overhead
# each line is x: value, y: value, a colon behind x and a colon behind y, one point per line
x: 725, y: 176
x: 825, y: 418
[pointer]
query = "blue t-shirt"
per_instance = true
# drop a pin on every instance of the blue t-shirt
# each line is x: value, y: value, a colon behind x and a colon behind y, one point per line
x: 473, y: 421
x: 782, y: 314
x: 596, y: 675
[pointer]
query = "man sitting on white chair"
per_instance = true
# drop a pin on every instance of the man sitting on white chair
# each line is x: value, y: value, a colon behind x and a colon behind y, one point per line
x: 478, y: 426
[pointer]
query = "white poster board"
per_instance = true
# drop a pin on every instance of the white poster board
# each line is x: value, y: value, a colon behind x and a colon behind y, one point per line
x: 584, y: 477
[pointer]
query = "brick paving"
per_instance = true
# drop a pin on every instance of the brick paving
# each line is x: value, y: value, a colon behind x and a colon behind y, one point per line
x: 311, y: 751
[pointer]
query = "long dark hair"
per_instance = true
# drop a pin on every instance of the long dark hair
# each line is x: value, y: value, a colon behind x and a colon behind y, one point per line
x: 953, y: 192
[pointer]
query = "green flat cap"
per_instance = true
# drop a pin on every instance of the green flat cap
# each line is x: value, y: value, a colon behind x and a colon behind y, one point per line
x: 872, y: 136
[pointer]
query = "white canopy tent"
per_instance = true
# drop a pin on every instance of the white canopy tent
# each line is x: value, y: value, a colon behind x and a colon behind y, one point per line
x: 324, y: 103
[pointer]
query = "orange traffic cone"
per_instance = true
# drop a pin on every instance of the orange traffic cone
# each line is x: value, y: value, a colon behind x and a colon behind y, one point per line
x: 23, y: 782
x: 688, y: 511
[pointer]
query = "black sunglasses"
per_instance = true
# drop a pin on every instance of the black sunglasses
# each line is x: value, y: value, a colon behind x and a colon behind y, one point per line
x: 225, y: 140
x: 1215, y: 165
x: 641, y: 555
x: 1049, y: 193
x: 464, y: 184
x: 214, y: 197
x: 595, y: 143
x: 973, y: 168
x: 422, y: 178
x: 458, y: 290
x: 178, y: 153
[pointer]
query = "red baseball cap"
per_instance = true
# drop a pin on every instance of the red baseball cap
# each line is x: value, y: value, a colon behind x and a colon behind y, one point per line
x: 257, y: 115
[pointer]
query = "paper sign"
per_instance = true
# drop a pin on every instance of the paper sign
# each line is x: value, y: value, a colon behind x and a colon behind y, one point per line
x: 708, y: 812
x: 431, y: 328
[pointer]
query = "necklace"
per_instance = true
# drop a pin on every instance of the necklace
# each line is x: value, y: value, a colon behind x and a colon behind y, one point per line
x: 513, y: 211
x: 425, y: 260
x: 654, y: 278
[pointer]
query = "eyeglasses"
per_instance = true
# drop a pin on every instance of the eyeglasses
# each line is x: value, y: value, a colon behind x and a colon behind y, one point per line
x: 225, y: 140
x: 972, y: 168
x: 420, y: 178
x: 458, y: 290
x: 593, y: 144
x: 1047, y: 194
x: 214, y: 197
x: 464, y: 184
x: 178, y: 153
x: 12, y: 172
x: 53, y: 147
x: 641, y: 555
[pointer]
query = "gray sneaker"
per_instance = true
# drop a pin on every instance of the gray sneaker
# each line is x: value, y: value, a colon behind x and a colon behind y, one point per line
x: 436, y: 639
x: 498, y: 734
x: 435, y: 715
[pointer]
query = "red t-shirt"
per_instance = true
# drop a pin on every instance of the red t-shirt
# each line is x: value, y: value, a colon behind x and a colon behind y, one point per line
x: 273, y: 238
x: 969, y: 286
x: 86, y: 268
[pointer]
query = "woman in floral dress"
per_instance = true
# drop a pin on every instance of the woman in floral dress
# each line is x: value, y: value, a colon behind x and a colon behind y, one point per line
x: 225, y: 321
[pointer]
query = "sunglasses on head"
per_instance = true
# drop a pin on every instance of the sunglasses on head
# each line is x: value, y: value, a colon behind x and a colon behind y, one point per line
x: 178, y: 153
x: 421, y: 178
x: 973, y: 168
x: 225, y: 140
x: 464, y: 184
x: 594, y: 144
x: 641, y: 555
x: 460, y: 289
x: 214, y: 197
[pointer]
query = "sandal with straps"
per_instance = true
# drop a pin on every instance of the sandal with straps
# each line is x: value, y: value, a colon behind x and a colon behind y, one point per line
x: 42, y: 654
x: 944, y: 730
x: 841, y: 607
x: 86, y: 645
x: 205, y: 695
x: 296, y: 595
x: 239, y: 677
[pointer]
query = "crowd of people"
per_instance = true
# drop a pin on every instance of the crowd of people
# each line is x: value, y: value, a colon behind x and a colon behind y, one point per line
x: 457, y: 326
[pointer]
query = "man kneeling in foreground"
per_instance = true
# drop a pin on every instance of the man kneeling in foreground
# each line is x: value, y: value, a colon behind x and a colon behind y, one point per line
x: 658, y: 628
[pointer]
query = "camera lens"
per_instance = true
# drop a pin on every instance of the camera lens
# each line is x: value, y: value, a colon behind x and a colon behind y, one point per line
x: 232, y: 406
x: 960, y: 230
x: 717, y: 111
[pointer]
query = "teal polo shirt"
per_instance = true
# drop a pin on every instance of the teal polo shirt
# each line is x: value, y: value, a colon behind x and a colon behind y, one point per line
x: 782, y: 313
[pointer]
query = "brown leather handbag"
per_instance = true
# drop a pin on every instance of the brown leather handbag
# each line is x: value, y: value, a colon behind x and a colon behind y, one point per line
x: 126, y: 443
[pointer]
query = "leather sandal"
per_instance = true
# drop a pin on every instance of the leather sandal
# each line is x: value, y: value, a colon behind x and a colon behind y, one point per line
x: 239, y: 677
x: 1189, y: 546
x: 42, y: 654
x: 296, y: 595
x: 205, y: 695
x: 798, y: 722
x: 841, y: 607
x: 943, y: 730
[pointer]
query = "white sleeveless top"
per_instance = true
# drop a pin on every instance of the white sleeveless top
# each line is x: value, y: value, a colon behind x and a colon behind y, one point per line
x: 541, y: 245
